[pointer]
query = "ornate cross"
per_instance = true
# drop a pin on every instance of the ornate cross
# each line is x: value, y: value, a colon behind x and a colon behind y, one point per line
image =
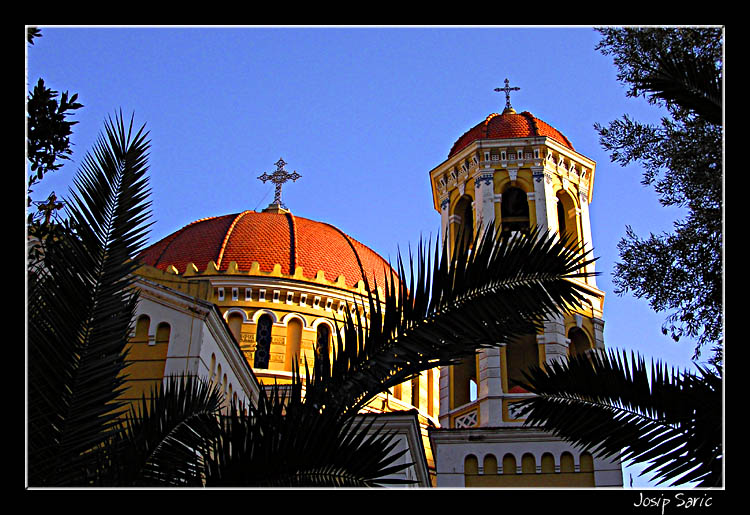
x: 507, y: 90
x: 279, y: 177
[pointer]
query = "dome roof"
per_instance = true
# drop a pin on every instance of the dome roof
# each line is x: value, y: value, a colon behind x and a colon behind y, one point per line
x: 506, y: 126
x: 269, y: 238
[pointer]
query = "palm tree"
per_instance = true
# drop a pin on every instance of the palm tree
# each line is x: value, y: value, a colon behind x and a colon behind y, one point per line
x: 79, y: 307
x: 81, y: 302
x: 608, y: 405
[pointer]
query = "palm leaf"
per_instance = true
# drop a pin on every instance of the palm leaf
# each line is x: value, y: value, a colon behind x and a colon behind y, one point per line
x: 165, y: 436
x: 80, y: 306
x: 287, y: 441
x: 486, y: 294
x: 609, y: 406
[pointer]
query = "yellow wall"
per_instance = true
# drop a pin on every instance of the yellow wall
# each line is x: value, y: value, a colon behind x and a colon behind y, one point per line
x: 147, y: 357
x: 559, y: 479
x: 546, y: 476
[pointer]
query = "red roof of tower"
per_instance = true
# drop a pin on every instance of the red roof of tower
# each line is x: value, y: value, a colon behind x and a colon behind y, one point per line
x: 509, y: 125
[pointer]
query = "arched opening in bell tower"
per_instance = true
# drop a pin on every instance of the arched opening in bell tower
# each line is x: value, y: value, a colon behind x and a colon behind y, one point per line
x: 522, y: 353
x: 579, y: 342
x: 464, y: 381
x: 463, y: 234
x: 514, y: 211
x: 567, y: 221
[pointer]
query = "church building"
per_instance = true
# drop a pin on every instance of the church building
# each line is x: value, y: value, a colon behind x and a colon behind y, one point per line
x: 240, y: 298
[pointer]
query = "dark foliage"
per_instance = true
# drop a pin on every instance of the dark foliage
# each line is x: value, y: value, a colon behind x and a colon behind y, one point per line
x: 608, y: 405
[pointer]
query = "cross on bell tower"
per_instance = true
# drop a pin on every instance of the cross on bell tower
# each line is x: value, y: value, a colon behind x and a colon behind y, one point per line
x: 279, y: 177
x: 507, y: 89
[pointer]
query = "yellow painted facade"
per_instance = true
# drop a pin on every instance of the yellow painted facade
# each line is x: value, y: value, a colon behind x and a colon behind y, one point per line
x: 547, y: 474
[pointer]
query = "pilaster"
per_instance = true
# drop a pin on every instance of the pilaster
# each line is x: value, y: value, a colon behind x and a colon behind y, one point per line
x: 490, y: 386
x: 544, y: 199
x: 583, y: 197
x: 484, y: 205
x: 555, y: 341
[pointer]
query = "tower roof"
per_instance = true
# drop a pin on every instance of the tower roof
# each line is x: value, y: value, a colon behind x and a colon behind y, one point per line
x: 269, y: 238
x: 509, y: 125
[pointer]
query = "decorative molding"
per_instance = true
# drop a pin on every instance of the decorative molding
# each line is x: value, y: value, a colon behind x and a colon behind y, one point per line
x: 469, y: 419
x: 485, y: 178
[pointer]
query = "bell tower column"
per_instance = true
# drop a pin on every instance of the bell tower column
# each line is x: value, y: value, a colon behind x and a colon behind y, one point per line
x: 544, y: 199
x: 484, y: 204
x: 583, y: 197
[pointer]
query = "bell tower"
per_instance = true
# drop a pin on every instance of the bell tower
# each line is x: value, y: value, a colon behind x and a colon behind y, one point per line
x: 515, y: 171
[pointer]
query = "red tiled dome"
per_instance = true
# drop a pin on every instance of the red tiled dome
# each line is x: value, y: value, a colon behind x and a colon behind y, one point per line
x: 269, y: 238
x: 506, y: 126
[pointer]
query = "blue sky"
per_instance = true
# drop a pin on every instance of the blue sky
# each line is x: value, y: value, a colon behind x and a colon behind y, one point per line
x: 362, y: 114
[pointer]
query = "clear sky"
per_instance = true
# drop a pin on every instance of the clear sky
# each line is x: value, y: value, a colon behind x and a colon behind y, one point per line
x: 362, y: 114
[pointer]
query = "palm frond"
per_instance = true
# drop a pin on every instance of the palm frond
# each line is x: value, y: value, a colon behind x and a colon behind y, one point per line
x: 165, y: 436
x: 610, y: 406
x: 80, y: 306
x: 287, y: 441
x: 446, y: 308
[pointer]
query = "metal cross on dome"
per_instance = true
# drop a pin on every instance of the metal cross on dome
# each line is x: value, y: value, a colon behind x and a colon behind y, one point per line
x: 507, y: 90
x: 279, y: 177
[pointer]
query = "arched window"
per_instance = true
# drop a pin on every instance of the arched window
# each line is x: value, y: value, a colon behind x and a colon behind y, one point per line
x: 430, y: 391
x: 141, y: 329
x: 567, y: 221
x: 235, y: 325
x: 293, y: 342
x: 514, y: 210
x: 490, y: 464
x: 548, y: 463
x: 579, y: 342
x: 509, y: 464
x: 464, y: 377
x: 263, y: 342
x: 323, y: 342
x: 464, y: 232
x: 561, y: 217
x: 162, y: 333
x: 567, y: 464
x: 528, y: 464
x: 471, y: 465
x: 213, y: 368
x: 522, y: 353
x: 415, y: 391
